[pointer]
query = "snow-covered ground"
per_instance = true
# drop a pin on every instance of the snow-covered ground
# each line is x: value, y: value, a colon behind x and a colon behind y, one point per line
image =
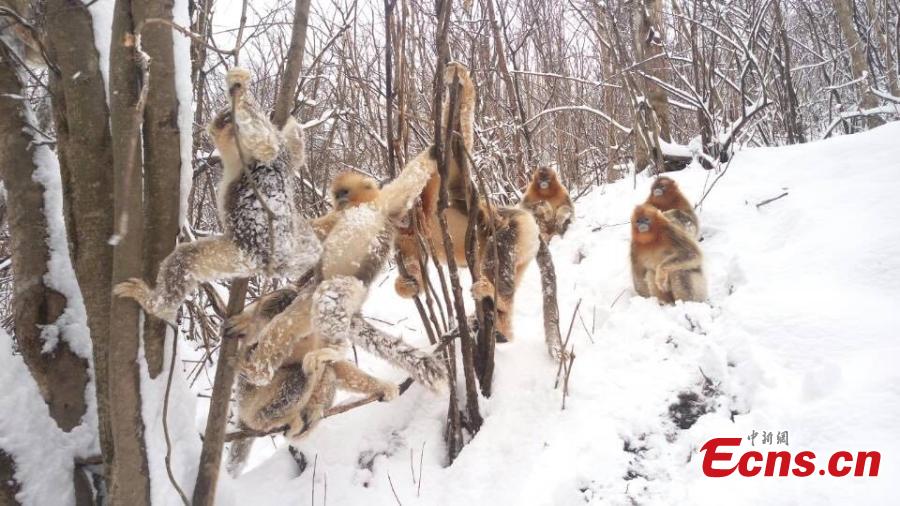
x: 800, y: 335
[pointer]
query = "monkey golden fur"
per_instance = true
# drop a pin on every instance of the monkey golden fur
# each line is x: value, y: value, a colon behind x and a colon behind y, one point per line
x: 515, y: 231
x: 356, y: 240
x: 307, y: 374
x: 667, y: 197
x: 545, y: 187
x: 665, y: 262
x: 264, y: 231
x: 349, y: 189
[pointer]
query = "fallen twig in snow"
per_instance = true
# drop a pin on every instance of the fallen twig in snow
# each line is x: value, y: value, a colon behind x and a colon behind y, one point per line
x: 769, y: 201
x: 391, y: 482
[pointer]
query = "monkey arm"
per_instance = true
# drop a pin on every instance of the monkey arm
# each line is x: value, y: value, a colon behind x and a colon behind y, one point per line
x: 322, y: 225
x: 397, y: 197
x: 181, y: 272
x: 426, y: 368
x: 639, y: 275
x: 564, y: 217
x: 353, y: 379
x: 294, y: 142
x: 276, y: 341
x: 686, y: 255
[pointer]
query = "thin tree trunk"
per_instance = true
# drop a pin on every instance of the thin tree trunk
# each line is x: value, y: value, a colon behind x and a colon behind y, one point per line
x: 793, y: 125
x: 858, y: 64
x: 60, y: 374
x: 161, y: 161
x: 128, y: 475
x: 648, y: 41
x: 9, y: 487
x: 84, y: 148
x: 284, y: 102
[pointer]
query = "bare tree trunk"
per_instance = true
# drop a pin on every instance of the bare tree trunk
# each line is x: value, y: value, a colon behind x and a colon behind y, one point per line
x: 214, y: 436
x: 60, y: 374
x: 858, y: 64
x: 284, y: 103
x: 878, y: 27
x: 9, y: 487
x: 128, y: 475
x: 84, y: 148
x: 793, y: 125
x: 552, y: 335
x: 648, y: 42
x: 162, y: 161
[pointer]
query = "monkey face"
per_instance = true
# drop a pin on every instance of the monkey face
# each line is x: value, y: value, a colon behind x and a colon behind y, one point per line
x: 352, y: 189
x: 662, y: 186
x: 544, y: 176
x: 643, y: 224
x: 644, y: 221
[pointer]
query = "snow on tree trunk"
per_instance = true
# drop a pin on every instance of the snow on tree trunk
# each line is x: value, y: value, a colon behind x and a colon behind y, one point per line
x: 51, y: 385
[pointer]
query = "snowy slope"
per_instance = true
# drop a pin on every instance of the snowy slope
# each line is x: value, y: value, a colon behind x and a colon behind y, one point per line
x: 799, y: 336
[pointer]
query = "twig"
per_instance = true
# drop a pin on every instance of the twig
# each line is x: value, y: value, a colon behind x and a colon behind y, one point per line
x: 312, y: 500
x: 769, y: 201
x: 165, y: 423
x: 568, y: 373
x: 391, y: 482
x: 421, y: 461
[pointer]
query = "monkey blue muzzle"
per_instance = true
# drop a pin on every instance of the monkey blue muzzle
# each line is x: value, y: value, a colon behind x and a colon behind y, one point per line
x: 658, y: 192
x: 643, y: 225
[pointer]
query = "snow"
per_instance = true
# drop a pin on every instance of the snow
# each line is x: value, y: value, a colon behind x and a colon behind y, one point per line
x: 798, y: 336
x: 185, y: 444
x: 102, y: 17
x: 44, y: 454
x: 184, y: 90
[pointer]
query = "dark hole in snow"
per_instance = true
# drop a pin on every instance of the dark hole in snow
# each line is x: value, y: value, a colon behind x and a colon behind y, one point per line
x: 689, y: 408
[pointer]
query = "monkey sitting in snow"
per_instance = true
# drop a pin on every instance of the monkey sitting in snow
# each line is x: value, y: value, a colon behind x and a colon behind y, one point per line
x: 546, y: 188
x: 667, y: 197
x: 264, y: 231
x: 666, y: 262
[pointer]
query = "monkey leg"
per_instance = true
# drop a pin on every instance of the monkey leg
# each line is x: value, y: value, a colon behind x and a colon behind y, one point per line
x: 688, y: 285
x: 563, y: 219
x: 426, y: 368
x: 352, y: 378
x: 181, y: 272
x: 276, y: 341
x: 663, y: 293
x: 335, y: 302
x: 238, y: 451
x: 499, y: 271
x: 639, y: 278
x: 408, y: 249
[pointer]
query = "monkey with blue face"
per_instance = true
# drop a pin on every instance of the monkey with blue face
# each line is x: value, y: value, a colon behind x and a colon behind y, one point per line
x: 666, y: 262
x: 667, y: 197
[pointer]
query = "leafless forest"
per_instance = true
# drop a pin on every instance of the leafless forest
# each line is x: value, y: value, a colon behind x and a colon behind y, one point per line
x: 600, y: 89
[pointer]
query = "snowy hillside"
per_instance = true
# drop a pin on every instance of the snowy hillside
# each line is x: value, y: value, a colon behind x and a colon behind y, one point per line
x: 800, y: 335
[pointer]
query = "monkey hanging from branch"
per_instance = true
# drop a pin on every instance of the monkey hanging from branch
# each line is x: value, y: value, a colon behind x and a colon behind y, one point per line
x: 264, y: 230
x: 666, y: 262
x: 513, y: 232
x: 294, y: 346
x: 356, y: 243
